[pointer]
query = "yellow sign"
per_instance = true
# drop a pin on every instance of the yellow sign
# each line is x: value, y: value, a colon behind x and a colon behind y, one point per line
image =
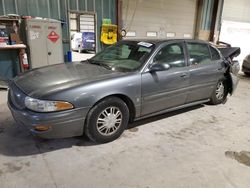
x: 109, y: 34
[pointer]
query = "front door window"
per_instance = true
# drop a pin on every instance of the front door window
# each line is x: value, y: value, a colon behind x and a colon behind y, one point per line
x: 172, y: 55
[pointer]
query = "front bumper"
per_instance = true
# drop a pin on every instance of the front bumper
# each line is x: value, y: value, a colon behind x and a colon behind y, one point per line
x: 62, y: 124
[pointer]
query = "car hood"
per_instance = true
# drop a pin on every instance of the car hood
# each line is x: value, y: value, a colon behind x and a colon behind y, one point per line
x: 43, y: 81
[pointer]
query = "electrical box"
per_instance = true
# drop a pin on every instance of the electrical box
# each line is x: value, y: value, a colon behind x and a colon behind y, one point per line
x: 44, y: 41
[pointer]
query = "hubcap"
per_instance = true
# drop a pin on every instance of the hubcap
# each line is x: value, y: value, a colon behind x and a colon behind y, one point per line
x: 220, y: 91
x: 109, y: 121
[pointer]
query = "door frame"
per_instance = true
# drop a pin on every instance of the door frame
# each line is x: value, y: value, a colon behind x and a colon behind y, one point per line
x: 83, y: 13
x: 145, y: 69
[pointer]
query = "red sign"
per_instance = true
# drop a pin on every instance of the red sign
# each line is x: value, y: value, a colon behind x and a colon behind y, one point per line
x: 53, y: 36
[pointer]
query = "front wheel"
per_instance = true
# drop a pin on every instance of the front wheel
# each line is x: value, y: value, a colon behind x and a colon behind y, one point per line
x: 107, y: 120
x: 220, y: 92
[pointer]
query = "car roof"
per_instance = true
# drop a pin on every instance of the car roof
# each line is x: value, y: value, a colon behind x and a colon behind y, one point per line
x: 160, y: 41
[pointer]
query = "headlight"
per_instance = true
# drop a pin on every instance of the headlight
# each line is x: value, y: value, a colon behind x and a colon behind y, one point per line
x: 46, y: 106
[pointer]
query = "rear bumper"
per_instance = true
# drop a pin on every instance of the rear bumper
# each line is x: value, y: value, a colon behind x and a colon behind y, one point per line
x: 87, y: 49
x: 88, y: 46
x: 62, y: 124
x: 234, y: 83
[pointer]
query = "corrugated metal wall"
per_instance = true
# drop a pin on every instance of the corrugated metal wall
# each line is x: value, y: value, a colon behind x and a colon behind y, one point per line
x: 205, y: 23
x: 207, y: 12
x: 58, y: 9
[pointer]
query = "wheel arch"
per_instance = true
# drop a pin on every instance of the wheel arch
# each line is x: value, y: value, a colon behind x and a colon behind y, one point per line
x: 128, y: 101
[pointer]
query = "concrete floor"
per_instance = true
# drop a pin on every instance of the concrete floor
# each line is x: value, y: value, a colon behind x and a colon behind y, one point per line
x: 204, y: 146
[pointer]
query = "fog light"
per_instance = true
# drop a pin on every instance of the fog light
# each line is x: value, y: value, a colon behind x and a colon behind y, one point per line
x: 42, y: 128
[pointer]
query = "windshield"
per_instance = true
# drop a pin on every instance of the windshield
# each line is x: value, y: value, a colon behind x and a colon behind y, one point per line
x: 124, y: 56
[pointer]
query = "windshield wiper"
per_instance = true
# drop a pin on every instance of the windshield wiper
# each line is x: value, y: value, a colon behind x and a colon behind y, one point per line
x: 100, y: 64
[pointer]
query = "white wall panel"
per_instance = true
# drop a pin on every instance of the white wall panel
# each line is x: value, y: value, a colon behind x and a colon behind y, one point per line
x: 236, y: 10
x: 161, y: 16
x: 235, y: 27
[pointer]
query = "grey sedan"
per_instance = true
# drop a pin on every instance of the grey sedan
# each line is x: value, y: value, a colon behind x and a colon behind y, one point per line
x: 128, y: 81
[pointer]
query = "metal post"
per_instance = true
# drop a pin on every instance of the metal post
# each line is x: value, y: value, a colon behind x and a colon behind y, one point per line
x: 58, y: 9
x: 16, y: 7
x: 3, y: 7
x: 217, y: 27
x: 48, y: 9
x: 77, y: 5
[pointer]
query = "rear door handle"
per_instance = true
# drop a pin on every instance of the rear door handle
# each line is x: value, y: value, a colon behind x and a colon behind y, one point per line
x: 219, y: 68
x: 184, y: 75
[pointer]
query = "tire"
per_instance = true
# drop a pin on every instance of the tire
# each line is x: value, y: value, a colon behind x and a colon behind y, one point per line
x: 220, y: 92
x: 107, y: 120
x: 247, y: 73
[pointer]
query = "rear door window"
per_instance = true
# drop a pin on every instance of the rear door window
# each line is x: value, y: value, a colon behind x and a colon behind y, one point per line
x: 215, y: 54
x: 198, y: 53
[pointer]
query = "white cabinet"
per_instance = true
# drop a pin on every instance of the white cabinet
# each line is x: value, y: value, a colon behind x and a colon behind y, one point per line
x: 44, y: 41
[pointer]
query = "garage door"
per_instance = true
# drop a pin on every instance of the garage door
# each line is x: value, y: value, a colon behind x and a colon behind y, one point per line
x: 159, y: 18
x: 87, y: 23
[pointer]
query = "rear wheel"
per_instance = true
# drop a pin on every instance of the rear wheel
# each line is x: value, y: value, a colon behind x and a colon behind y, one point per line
x: 107, y: 120
x: 220, y: 92
x: 247, y: 73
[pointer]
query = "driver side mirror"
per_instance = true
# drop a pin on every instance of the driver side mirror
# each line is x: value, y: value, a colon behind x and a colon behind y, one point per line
x: 159, y: 67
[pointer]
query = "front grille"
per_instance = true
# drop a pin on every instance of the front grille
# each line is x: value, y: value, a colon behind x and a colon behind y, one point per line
x: 16, y: 96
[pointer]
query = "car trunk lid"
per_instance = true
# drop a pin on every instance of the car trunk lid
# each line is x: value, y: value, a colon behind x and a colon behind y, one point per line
x: 229, y: 53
